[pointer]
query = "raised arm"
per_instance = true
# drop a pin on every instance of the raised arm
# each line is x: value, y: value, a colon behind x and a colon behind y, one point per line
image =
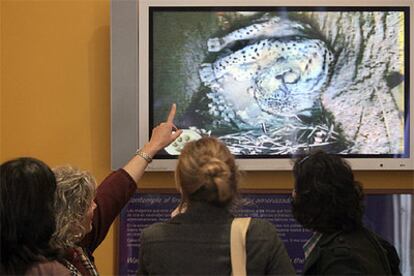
x: 162, y: 135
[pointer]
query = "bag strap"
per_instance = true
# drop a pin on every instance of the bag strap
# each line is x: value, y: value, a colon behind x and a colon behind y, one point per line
x: 238, y: 232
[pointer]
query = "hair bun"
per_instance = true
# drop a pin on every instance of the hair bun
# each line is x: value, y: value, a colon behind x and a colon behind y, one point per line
x: 213, y: 167
x: 206, y: 171
x: 216, y: 174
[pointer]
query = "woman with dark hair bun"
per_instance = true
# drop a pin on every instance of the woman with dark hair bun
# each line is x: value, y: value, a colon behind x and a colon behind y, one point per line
x: 197, y: 239
x: 328, y: 201
x: 27, y: 190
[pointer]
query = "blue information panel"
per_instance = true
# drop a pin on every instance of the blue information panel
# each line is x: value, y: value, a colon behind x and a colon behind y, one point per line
x: 144, y: 209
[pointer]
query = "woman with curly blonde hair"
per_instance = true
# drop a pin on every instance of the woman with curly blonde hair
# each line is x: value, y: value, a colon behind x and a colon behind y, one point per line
x: 84, y: 212
x: 74, y: 207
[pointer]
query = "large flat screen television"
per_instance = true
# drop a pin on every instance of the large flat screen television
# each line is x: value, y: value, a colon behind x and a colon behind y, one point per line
x: 277, y: 79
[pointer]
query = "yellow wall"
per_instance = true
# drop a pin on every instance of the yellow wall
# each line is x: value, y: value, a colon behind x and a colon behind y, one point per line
x: 55, y: 79
x: 55, y: 98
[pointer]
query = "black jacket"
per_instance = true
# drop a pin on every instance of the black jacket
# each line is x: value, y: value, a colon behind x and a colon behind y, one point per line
x: 358, y: 252
x: 198, y: 242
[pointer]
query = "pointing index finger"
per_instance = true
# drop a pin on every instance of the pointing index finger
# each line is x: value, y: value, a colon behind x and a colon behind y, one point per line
x: 171, y: 116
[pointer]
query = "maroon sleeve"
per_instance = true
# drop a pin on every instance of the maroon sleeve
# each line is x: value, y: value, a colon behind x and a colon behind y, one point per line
x: 111, y: 196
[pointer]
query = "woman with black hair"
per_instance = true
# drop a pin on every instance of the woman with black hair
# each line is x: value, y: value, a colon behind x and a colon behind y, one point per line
x: 27, y: 190
x: 328, y: 201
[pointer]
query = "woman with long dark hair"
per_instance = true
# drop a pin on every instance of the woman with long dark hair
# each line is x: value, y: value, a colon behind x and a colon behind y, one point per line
x: 27, y: 190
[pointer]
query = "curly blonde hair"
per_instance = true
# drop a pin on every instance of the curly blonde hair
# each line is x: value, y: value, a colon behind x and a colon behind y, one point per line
x: 74, y: 194
x: 207, y: 171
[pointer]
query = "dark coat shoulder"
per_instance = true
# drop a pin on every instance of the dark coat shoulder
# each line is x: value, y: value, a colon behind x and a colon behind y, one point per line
x: 342, y: 253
